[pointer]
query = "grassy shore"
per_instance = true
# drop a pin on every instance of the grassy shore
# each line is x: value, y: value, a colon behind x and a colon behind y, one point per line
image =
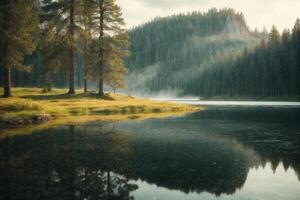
x: 76, y: 120
x: 31, y: 106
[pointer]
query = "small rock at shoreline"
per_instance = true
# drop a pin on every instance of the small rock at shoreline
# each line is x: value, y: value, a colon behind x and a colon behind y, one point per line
x: 7, y: 122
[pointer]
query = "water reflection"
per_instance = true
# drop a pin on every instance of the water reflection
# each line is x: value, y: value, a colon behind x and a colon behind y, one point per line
x: 66, y: 163
x: 261, y: 183
x: 221, y: 152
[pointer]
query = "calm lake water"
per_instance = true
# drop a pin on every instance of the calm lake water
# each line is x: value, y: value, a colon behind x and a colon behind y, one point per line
x: 223, y: 152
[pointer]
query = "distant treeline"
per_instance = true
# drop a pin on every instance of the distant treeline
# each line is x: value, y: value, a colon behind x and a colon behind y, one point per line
x: 271, y: 69
x: 212, y: 54
x: 204, y: 54
x: 40, y: 76
x: 185, y: 40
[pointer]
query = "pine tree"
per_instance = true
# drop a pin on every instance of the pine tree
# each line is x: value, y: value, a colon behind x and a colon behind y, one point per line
x: 88, y: 28
x: 274, y: 37
x: 50, y: 48
x: 65, y: 15
x: 50, y: 45
x: 115, y: 77
x: 296, y: 46
x: 18, y: 26
x: 109, y: 22
x: 115, y: 52
x: 296, y: 33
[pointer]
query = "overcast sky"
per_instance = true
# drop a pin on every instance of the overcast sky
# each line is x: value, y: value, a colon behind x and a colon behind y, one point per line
x: 258, y: 13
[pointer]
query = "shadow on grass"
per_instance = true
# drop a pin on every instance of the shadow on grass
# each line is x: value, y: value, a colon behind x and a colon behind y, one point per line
x: 4, y: 97
x: 69, y: 96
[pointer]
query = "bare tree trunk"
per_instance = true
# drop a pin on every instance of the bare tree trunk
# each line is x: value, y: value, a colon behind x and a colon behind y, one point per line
x: 101, y: 88
x: 72, y: 68
x: 85, y: 68
x: 85, y: 85
x: 7, y: 81
x: 87, y: 31
x: 6, y: 67
x: 72, y: 74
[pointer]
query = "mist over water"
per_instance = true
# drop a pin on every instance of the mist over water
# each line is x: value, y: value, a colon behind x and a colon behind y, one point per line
x: 198, y: 101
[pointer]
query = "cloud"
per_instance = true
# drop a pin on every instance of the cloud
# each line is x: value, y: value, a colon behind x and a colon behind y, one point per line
x: 171, y: 3
x: 258, y: 13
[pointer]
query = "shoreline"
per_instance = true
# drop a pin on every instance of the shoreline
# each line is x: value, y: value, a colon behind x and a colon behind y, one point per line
x: 246, y: 98
x: 81, y: 120
x: 32, y: 107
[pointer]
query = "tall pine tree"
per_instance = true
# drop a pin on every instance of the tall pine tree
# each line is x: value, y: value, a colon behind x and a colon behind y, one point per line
x: 18, y: 26
x: 109, y: 23
x: 88, y: 10
x: 296, y: 46
x: 115, y: 52
x: 65, y: 15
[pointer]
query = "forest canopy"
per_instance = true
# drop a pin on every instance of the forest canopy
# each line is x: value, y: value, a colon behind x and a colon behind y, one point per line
x: 212, y: 54
x: 61, y: 43
x: 78, y: 43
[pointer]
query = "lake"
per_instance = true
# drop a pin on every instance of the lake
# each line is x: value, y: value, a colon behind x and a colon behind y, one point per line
x: 224, y: 152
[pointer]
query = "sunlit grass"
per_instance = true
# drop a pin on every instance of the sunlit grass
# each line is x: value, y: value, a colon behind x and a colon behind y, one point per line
x: 30, y: 102
x: 16, y: 105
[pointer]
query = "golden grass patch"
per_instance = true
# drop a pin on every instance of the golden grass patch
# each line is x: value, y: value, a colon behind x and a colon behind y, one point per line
x: 30, y: 102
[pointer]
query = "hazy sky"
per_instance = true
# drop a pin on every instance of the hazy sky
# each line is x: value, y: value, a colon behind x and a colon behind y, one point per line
x: 258, y: 13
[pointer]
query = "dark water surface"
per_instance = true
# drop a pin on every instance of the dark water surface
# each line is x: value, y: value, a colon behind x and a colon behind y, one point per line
x: 220, y: 153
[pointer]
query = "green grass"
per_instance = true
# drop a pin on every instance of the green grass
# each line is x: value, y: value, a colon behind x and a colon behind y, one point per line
x: 28, y: 103
x: 17, y: 105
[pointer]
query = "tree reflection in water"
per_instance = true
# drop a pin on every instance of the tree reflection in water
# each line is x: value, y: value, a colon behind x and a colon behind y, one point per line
x: 65, y: 163
x: 211, y: 151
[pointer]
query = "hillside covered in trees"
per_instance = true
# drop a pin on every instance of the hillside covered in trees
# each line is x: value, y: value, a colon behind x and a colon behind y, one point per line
x: 212, y: 54
x: 168, y: 52
x: 271, y: 69
x: 202, y: 54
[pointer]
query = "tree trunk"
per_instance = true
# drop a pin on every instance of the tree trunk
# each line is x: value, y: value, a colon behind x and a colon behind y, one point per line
x: 101, y: 90
x: 85, y: 67
x: 101, y: 64
x: 85, y: 85
x: 72, y: 68
x: 6, y: 67
x: 7, y: 82
x: 72, y: 74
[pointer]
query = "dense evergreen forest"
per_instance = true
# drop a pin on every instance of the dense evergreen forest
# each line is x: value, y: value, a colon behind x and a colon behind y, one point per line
x: 68, y: 43
x: 212, y: 54
x: 271, y: 69
x: 62, y: 43
x: 167, y: 52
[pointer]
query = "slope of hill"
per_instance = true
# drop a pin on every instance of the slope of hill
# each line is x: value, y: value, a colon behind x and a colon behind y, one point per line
x: 167, y: 53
